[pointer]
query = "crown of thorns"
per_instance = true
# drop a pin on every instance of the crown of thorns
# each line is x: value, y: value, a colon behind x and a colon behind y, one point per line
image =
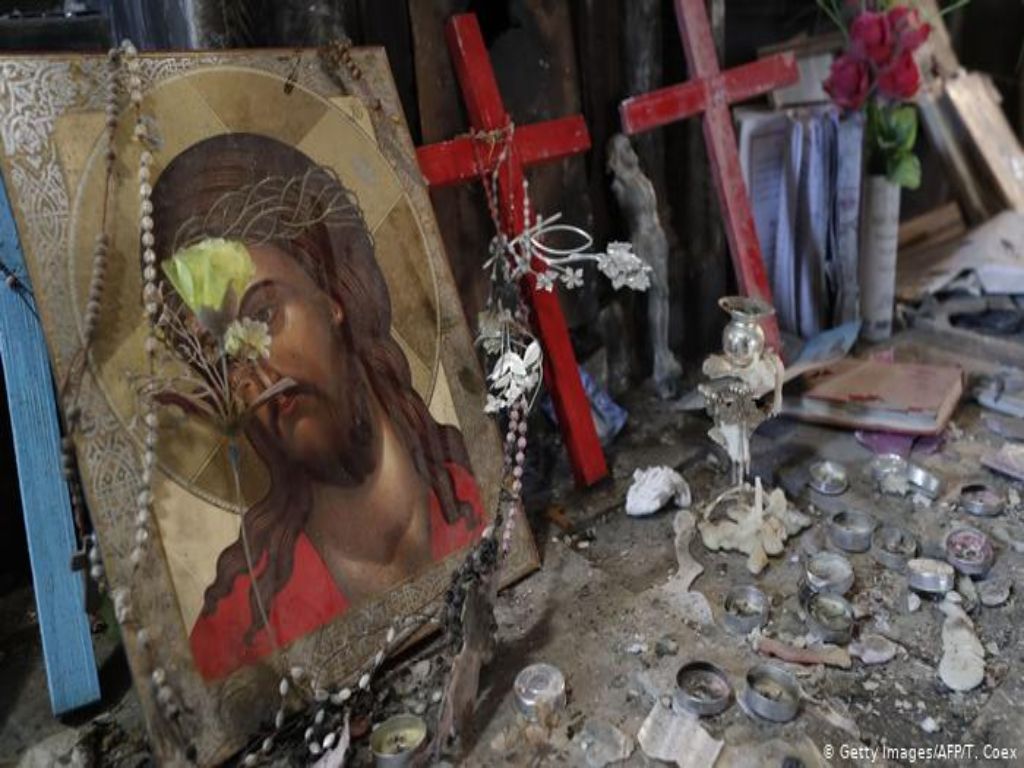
x: 277, y: 208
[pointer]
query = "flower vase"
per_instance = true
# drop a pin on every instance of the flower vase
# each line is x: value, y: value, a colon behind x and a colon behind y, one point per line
x: 879, y: 237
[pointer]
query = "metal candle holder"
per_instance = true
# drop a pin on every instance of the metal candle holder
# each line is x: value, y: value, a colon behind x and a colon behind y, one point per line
x: 981, y: 500
x: 829, y: 572
x: 969, y: 551
x: 930, y: 576
x: 746, y: 609
x: 539, y: 691
x: 702, y: 689
x: 893, y: 546
x: 828, y: 478
x: 851, y: 530
x: 772, y: 693
x: 830, y: 617
x: 397, y: 740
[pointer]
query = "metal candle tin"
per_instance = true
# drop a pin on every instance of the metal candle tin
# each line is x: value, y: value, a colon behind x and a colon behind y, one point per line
x: 887, y: 464
x: 830, y: 617
x: 702, y: 689
x: 772, y: 693
x: 746, y: 609
x: 829, y: 572
x: 539, y: 691
x: 981, y: 500
x: 969, y: 551
x: 828, y: 478
x: 893, y: 546
x: 930, y: 576
x: 851, y: 530
x: 396, y: 741
x: 923, y: 481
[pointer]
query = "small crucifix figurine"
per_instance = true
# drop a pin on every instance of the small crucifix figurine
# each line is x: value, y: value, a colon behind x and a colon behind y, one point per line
x: 498, y: 145
x: 711, y: 92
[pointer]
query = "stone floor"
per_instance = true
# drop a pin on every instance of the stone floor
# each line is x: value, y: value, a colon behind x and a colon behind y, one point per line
x: 607, y: 609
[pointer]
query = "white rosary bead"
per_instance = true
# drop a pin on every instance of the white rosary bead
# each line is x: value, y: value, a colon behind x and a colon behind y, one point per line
x: 329, y: 740
x: 143, y: 173
x: 283, y: 688
x: 146, y: 158
x: 148, y: 240
x: 308, y: 735
x: 364, y: 682
x: 279, y: 719
x: 149, y: 255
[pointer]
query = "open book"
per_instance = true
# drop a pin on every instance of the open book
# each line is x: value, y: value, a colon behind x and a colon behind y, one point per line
x: 869, y: 394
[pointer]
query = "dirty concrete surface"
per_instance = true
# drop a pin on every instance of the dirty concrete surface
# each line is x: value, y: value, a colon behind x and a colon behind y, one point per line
x: 608, y: 610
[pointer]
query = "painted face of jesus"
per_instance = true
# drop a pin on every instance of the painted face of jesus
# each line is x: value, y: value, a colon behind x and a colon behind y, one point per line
x: 326, y: 425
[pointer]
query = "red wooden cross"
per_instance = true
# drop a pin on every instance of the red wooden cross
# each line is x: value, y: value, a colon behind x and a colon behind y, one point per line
x: 472, y: 158
x: 711, y: 92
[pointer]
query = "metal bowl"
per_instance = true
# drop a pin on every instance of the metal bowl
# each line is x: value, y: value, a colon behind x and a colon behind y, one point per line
x: 702, y: 689
x: 746, y: 609
x: 772, y: 693
x: 969, y: 551
x: 851, y: 530
x: 828, y: 478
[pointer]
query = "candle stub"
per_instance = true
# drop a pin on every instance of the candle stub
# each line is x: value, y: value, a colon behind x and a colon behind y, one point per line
x: 539, y: 691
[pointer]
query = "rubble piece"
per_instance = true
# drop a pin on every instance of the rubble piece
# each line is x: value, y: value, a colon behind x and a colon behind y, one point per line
x: 968, y: 591
x: 962, y: 667
x: 684, y: 526
x: 666, y: 646
x: 913, y: 602
x: 604, y: 744
x: 874, y: 649
x: 929, y: 725
x: 757, y: 529
x: 653, y: 488
x: 994, y: 592
x: 677, y: 738
x: 1008, y: 460
x: 829, y: 655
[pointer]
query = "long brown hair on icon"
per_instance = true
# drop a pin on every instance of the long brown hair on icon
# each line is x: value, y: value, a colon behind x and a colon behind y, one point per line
x: 258, y: 190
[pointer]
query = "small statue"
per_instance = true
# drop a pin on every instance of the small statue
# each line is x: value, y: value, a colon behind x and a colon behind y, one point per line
x: 739, y: 378
x: 635, y: 195
x: 754, y: 522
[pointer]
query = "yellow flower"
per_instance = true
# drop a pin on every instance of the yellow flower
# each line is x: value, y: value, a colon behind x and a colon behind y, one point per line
x: 247, y: 339
x: 210, y: 276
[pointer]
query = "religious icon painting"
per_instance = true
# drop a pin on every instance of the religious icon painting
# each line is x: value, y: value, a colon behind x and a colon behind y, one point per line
x: 277, y: 358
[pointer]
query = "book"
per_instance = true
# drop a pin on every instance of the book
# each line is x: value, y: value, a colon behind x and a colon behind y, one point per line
x: 907, y: 398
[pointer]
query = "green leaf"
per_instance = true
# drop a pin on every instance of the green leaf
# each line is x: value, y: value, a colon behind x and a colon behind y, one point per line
x: 905, y: 170
x: 904, y: 125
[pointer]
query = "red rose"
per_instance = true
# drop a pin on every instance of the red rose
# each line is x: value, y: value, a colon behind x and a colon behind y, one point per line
x: 848, y: 82
x: 901, y: 79
x: 906, y: 25
x: 870, y: 33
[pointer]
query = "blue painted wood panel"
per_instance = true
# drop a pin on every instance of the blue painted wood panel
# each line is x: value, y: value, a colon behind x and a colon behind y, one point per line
x: 60, y: 592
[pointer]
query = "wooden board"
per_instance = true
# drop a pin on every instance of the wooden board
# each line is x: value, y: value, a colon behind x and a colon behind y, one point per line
x: 984, y: 124
x: 60, y: 592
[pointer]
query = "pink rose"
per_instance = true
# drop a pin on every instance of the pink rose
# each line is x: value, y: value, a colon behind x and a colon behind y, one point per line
x: 870, y: 33
x: 906, y: 24
x: 848, y: 82
x: 901, y: 79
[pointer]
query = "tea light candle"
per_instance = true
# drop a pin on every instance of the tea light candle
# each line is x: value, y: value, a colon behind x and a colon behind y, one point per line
x: 969, y: 551
x: 893, y: 546
x: 702, y: 688
x: 851, y: 530
x: 772, y: 693
x: 830, y: 617
x: 746, y: 609
x: 539, y: 691
x: 396, y: 741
